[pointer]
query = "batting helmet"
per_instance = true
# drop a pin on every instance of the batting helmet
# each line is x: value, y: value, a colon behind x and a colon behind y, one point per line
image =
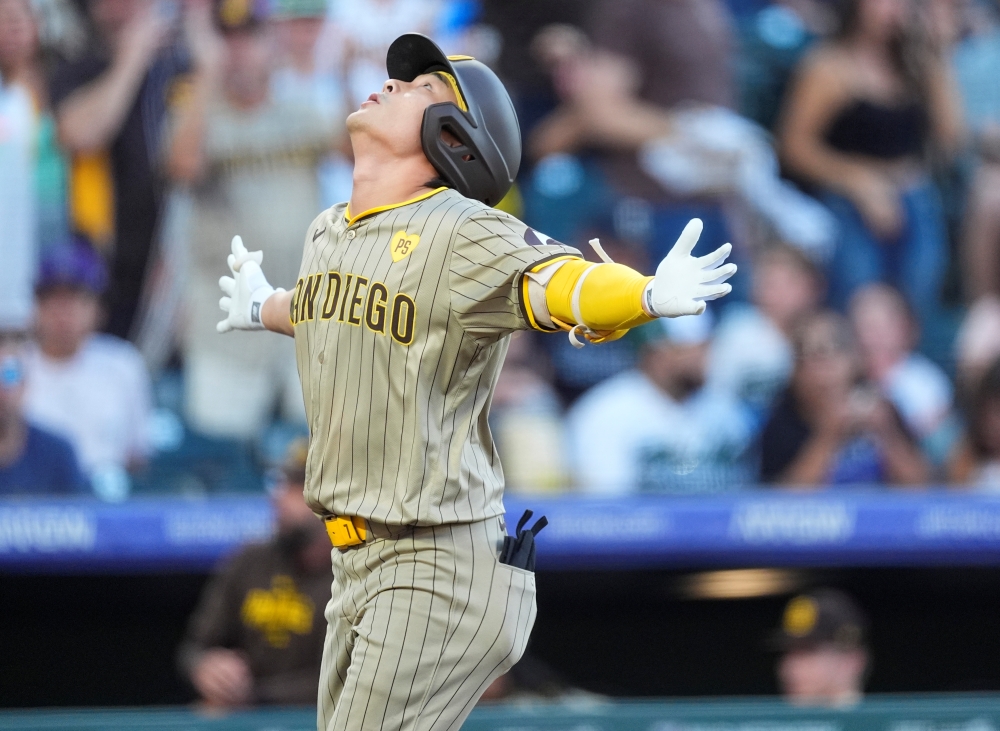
x: 484, y: 163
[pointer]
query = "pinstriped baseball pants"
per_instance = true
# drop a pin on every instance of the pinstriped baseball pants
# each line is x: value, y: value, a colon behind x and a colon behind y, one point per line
x: 418, y: 627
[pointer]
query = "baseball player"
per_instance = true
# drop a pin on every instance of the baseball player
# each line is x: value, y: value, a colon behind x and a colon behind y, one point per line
x: 405, y: 302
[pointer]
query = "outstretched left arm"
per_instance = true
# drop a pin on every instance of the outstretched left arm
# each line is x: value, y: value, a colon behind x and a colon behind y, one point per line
x: 603, y: 301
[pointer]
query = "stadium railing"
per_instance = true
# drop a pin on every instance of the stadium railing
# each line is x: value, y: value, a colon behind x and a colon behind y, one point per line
x: 886, y: 713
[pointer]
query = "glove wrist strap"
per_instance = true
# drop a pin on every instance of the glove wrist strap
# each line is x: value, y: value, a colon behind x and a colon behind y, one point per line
x: 647, y: 300
x: 257, y: 299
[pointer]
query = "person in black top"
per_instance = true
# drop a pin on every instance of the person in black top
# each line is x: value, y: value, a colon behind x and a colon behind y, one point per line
x: 33, y: 461
x: 110, y: 107
x: 256, y: 636
x: 828, y: 428
x: 865, y: 112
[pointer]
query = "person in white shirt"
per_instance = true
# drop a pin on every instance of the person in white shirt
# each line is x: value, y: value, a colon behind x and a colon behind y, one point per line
x: 658, y: 428
x: 90, y: 388
x: 887, y: 333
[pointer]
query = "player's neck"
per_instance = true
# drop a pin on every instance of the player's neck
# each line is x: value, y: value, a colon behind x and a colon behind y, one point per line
x: 382, y: 179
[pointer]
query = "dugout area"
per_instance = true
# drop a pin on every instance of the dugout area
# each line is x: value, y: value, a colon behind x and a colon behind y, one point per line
x: 110, y: 640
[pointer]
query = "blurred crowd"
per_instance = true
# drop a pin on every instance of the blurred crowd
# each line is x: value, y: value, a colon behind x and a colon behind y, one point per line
x: 849, y: 149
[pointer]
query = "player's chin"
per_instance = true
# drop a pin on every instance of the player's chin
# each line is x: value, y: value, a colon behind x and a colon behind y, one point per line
x: 356, y: 119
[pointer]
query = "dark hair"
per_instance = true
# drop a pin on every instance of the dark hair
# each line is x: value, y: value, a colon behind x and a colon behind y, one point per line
x: 908, y: 49
x: 843, y: 338
x: 793, y: 255
x: 435, y: 183
x: 986, y: 394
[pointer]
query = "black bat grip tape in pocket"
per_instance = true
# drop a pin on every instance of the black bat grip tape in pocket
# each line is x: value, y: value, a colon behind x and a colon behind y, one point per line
x: 519, y: 550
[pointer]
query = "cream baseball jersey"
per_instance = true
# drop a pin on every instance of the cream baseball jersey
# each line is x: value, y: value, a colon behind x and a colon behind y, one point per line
x: 402, y: 318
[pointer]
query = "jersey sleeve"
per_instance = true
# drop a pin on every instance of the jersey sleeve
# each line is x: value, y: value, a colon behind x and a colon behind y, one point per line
x: 491, y: 254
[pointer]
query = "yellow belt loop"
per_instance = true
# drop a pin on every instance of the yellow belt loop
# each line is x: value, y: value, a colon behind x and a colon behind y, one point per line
x: 346, y: 531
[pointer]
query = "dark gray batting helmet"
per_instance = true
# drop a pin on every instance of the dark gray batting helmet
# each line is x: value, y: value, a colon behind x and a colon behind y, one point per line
x: 484, y: 163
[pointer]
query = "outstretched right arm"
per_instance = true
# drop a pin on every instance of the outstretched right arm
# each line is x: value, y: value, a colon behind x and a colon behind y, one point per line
x: 250, y: 303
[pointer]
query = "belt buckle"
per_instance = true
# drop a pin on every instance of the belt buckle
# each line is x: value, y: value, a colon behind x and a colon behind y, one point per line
x: 346, y: 531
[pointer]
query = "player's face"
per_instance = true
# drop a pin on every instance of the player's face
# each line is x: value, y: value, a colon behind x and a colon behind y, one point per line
x: 394, y: 115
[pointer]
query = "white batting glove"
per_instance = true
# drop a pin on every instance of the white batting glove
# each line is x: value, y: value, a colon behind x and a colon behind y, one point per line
x: 683, y: 283
x: 245, y: 291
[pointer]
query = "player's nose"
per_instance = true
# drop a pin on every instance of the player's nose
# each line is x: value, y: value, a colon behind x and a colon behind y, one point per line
x: 390, y: 86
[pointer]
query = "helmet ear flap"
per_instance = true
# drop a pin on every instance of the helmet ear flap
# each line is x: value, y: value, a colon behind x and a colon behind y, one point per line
x: 467, y: 165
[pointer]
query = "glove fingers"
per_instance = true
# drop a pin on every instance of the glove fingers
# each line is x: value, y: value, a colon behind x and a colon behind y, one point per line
x: 228, y: 286
x: 717, y: 276
x: 239, y: 250
x: 253, y: 275
x: 225, y: 304
x: 685, y: 308
x: 713, y: 293
x: 716, y: 257
x: 223, y: 326
x: 688, y: 238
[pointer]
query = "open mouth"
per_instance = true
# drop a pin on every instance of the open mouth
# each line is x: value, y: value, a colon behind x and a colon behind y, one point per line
x: 373, y: 97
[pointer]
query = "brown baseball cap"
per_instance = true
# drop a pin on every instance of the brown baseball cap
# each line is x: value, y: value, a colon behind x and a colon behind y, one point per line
x: 821, y: 617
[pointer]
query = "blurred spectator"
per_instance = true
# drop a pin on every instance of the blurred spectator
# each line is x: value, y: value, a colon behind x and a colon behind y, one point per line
x: 656, y: 56
x: 250, y: 164
x: 861, y: 116
x: 751, y: 356
x: 21, y: 64
x: 658, y: 428
x: 526, y: 418
x: 256, y: 636
x: 33, y: 461
x: 681, y: 49
x: 823, y: 643
x: 772, y: 43
x: 297, y: 76
x: 887, y: 333
x: 367, y: 27
x: 302, y: 78
x: 680, y: 52
x: 977, y: 63
x: 706, y: 152
x: 91, y: 389
x: 977, y: 344
x: 18, y: 250
x: 830, y: 428
x: 110, y: 106
x: 976, y: 461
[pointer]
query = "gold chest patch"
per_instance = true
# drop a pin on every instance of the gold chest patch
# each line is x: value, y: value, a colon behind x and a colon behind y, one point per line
x: 402, y: 244
x: 278, y: 612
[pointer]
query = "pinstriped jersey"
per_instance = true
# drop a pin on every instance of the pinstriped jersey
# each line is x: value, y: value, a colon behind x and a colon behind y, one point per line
x: 402, y: 318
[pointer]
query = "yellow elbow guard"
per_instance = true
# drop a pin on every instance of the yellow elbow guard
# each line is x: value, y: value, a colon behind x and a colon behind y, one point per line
x: 604, y: 298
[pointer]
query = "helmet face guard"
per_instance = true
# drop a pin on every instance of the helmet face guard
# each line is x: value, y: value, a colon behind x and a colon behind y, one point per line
x: 485, y: 162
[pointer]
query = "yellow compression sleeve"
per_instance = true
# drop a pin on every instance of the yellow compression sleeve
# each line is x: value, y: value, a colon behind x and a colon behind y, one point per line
x: 610, y: 299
